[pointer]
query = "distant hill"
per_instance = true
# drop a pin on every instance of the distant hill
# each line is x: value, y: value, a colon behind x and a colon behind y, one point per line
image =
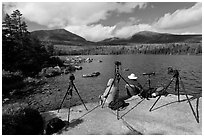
x: 58, y: 36
x: 154, y: 37
x: 64, y: 37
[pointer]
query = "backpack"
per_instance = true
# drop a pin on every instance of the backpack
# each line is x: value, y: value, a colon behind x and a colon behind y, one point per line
x: 115, y: 105
x: 54, y: 125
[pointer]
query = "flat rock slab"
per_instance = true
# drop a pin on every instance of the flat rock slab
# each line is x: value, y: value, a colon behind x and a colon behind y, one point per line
x: 168, y: 117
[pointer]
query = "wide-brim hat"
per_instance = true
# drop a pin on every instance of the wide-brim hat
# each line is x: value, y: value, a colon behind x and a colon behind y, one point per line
x: 132, y: 76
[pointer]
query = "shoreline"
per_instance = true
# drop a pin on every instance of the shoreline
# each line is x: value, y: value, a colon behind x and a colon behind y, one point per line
x: 49, y: 95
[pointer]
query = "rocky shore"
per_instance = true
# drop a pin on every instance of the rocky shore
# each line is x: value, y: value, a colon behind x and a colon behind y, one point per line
x: 45, y: 93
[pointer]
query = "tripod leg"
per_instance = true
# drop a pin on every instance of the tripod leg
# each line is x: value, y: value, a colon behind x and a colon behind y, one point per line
x: 117, y: 111
x: 126, y: 82
x: 155, y: 103
x: 149, y: 83
x: 189, y: 101
x: 109, y: 91
x: 160, y: 95
x: 64, y: 98
x: 69, y: 111
x: 177, y: 87
x: 132, y: 108
x: 79, y: 96
x: 197, y: 102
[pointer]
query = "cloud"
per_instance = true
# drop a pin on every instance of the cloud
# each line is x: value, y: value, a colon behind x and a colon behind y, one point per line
x: 83, y: 18
x: 68, y: 13
x: 130, y: 30
x: 180, y: 19
x: 75, y: 17
x: 92, y: 32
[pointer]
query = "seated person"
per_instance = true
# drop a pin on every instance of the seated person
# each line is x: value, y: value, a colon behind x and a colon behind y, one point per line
x: 111, y: 92
x: 134, y: 87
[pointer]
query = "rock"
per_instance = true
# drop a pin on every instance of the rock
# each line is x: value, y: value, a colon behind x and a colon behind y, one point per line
x: 57, y: 67
x: 94, y: 74
x: 6, y: 99
x: 47, y: 103
x: 88, y: 60
x: 54, y: 125
x: 78, y: 67
x: 79, y: 111
x: 45, y: 88
x: 30, y: 80
x: 50, y: 71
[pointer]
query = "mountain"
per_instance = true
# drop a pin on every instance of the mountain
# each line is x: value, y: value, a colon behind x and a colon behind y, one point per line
x: 154, y: 37
x: 58, y: 36
x: 64, y: 37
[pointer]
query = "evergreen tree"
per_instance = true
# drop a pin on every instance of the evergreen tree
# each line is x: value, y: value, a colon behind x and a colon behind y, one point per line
x: 20, y: 50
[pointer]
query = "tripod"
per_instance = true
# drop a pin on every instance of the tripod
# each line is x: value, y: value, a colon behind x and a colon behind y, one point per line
x: 69, y: 92
x: 178, y: 81
x: 149, y: 79
x: 116, y: 78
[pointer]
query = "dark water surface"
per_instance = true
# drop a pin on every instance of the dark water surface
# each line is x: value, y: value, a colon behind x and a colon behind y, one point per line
x: 90, y: 88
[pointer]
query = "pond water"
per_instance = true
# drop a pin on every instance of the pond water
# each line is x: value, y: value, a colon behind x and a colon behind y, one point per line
x: 90, y: 88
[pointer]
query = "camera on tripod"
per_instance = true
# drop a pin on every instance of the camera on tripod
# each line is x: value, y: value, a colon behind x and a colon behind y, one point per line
x: 173, y: 72
x: 71, y: 77
x: 117, y: 63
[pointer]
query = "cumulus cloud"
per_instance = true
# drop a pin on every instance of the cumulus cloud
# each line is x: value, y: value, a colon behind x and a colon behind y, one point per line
x: 83, y: 18
x: 68, y: 13
x: 92, y: 32
x: 182, y: 18
x: 130, y: 30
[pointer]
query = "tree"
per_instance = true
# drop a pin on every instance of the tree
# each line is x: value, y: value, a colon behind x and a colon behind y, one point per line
x: 198, y: 49
x: 20, y: 50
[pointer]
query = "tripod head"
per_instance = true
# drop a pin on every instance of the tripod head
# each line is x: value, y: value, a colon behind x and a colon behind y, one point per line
x: 117, y: 63
x: 71, y: 77
x: 173, y: 72
x: 117, y: 66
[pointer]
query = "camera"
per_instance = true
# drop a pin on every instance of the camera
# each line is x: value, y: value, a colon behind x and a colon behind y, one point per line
x: 117, y: 63
x: 71, y: 77
x: 173, y: 72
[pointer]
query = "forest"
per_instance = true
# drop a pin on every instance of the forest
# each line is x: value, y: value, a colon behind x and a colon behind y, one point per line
x: 165, y: 49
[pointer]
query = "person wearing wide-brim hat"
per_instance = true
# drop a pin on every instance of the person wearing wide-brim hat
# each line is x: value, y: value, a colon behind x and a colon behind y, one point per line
x: 111, y: 92
x: 134, y: 87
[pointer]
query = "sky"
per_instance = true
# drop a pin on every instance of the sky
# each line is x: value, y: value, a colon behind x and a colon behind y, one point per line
x: 97, y: 21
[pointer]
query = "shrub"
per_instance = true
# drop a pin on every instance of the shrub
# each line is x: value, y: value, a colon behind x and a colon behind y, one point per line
x: 54, y: 61
x: 10, y: 81
x: 22, y: 121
